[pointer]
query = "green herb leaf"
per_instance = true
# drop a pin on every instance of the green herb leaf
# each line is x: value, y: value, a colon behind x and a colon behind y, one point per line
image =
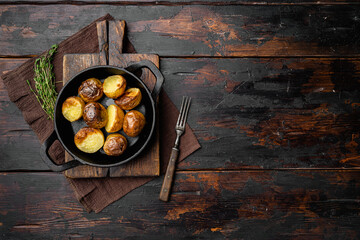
x: 44, y: 79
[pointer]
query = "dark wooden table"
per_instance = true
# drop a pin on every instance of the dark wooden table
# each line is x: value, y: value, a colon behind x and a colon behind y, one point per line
x: 276, y: 109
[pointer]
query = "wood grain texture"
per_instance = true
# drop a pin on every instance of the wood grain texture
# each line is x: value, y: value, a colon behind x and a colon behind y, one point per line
x: 73, y: 63
x: 7, y: 64
x: 101, y: 28
x: 270, y: 113
x: 260, y: 113
x: 17, y: 140
x: 222, y: 205
x: 116, y: 37
x: 247, y: 113
x: 315, y: 30
x: 185, y: 2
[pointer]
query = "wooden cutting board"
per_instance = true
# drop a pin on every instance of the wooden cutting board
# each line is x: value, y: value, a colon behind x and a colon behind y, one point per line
x: 110, y: 53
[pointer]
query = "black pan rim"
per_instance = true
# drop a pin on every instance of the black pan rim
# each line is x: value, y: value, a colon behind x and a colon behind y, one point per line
x: 152, y: 125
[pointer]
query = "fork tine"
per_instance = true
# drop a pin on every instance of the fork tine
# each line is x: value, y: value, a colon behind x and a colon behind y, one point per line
x: 186, y: 112
x: 181, y: 110
x: 183, y: 117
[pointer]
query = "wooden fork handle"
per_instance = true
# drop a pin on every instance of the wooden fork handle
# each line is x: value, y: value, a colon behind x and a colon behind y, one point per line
x: 166, y: 186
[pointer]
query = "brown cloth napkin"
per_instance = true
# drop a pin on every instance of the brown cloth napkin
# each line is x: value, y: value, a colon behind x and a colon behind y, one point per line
x: 94, y: 193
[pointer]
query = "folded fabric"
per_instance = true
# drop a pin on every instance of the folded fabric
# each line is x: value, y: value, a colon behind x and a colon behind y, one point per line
x: 94, y: 193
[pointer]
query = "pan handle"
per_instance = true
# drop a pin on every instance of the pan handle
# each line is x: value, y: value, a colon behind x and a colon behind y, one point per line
x: 47, y: 159
x: 153, y: 68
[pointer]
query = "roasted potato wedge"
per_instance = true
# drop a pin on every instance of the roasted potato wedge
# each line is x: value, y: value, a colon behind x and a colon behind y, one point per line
x: 115, y: 144
x: 134, y: 122
x: 114, y: 86
x: 89, y: 140
x: 130, y: 99
x: 91, y: 90
x: 95, y: 115
x: 115, y: 118
x: 72, y: 108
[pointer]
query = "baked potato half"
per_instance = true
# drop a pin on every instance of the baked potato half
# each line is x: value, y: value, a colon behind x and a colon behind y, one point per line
x: 73, y: 108
x: 91, y: 90
x: 89, y: 140
x: 114, y: 86
x: 130, y: 99
x: 115, y: 118
x: 95, y: 115
x: 115, y: 144
x: 134, y: 122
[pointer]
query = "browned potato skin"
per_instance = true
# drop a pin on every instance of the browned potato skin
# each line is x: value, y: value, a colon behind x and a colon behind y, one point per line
x: 82, y: 136
x: 72, y: 102
x: 95, y: 115
x: 130, y: 99
x: 91, y: 90
x: 134, y: 122
x: 114, y: 125
x: 114, y: 90
x: 115, y: 144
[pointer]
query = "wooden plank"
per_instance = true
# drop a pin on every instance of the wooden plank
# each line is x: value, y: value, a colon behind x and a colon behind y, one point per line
x: 315, y: 30
x: 186, y: 2
x: 232, y: 205
x: 116, y: 38
x: 102, y: 33
x: 247, y: 113
x: 7, y: 64
x: 19, y: 146
x: 270, y: 113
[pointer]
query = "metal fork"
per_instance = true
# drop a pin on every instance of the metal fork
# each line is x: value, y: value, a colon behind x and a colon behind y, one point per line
x: 180, y: 128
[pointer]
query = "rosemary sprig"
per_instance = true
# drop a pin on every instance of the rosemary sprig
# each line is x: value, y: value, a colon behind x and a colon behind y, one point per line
x: 44, y: 79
